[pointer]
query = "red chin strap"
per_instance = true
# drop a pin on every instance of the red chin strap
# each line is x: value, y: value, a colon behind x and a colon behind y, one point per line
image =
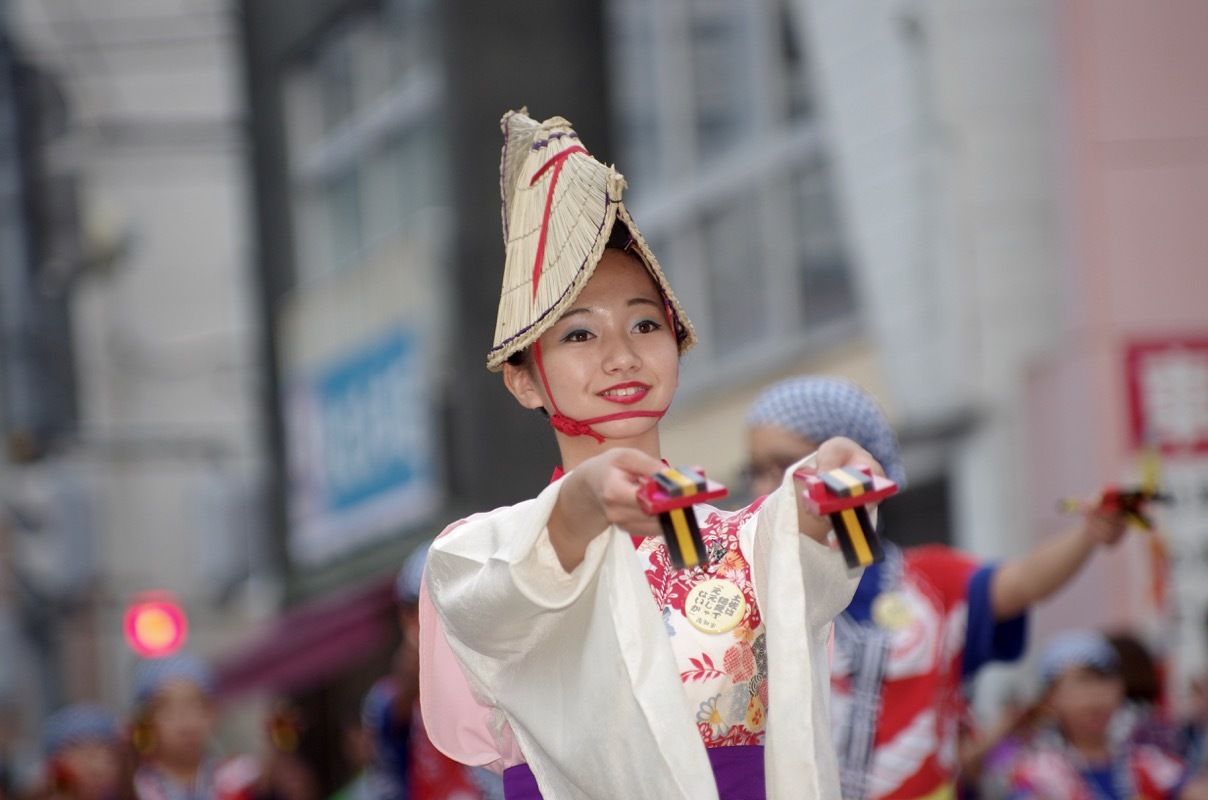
x: 574, y: 427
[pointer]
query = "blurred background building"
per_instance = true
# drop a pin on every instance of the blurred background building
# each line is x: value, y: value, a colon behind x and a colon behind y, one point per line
x: 134, y: 458
x: 250, y: 259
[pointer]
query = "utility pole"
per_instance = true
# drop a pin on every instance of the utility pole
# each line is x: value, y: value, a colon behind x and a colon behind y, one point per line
x: 39, y: 254
x: 15, y: 272
x: 18, y: 407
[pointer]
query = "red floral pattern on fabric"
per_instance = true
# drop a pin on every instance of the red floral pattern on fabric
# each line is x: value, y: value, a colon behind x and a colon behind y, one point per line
x: 724, y: 674
x: 740, y: 662
x: 719, y: 531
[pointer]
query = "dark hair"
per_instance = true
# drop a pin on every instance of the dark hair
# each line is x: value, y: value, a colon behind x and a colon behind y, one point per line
x: 620, y: 238
x: 1142, y: 683
x: 521, y: 358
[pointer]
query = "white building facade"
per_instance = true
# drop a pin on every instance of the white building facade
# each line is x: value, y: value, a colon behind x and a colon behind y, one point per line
x: 165, y: 465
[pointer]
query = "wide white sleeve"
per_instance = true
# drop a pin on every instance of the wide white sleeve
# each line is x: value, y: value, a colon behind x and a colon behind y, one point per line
x: 497, y: 583
x: 802, y: 585
x: 827, y: 582
x: 578, y: 664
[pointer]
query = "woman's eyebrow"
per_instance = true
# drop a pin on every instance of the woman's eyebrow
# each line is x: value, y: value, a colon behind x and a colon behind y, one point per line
x: 637, y: 301
x: 576, y: 311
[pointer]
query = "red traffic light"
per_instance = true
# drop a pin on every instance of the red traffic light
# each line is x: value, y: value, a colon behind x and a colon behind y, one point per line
x: 155, y: 625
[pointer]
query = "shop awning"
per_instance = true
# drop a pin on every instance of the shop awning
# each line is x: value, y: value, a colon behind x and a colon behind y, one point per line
x: 308, y: 644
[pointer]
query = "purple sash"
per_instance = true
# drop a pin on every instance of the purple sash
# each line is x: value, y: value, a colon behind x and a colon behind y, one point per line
x: 738, y: 771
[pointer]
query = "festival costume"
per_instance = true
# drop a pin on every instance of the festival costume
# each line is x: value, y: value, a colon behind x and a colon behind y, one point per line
x: 577, y: 676
x: 898, y: 683
x: 152, y: 783
x: 588, y: 684
x: 1048, y: 769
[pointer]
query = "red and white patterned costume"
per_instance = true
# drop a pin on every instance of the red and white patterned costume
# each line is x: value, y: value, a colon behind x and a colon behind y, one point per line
x: 1049, y: 771
x: 921, y: 701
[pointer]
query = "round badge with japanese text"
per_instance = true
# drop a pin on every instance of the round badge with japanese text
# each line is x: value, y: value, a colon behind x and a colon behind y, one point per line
x: 715, y: 605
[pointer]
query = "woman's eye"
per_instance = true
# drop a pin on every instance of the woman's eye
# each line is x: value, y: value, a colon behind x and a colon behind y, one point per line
x: 647, y: 326
x: 576, y: 336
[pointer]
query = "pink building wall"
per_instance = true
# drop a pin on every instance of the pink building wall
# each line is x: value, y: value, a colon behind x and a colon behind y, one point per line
x: 1135, y: 168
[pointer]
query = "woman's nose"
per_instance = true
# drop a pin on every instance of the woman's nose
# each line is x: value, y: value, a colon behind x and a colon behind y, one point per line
x: 621, y: 355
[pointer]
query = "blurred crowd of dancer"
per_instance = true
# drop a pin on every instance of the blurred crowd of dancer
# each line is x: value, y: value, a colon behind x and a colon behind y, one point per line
x: 166, y: 747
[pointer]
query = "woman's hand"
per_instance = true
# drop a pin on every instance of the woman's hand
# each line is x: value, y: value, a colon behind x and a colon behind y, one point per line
x: 832, y: 454
x: 1104, y: 527
x: 600, y: 492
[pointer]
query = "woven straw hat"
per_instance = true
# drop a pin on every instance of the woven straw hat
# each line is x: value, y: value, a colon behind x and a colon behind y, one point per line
x: 559, y: 206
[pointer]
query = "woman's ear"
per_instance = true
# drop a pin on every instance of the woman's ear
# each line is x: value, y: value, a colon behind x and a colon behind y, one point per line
x: 522, y: 386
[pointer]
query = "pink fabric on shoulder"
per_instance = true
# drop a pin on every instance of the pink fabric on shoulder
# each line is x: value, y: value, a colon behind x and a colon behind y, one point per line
x: 456, y: 722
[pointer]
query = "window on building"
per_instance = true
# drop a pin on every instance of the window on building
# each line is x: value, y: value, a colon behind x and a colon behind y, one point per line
x: 364, y: 137
x: 721, y: 62
x: 825, y: 291
x: 730, y: 233
x: 728, y: 173
x: 637, y: 88
x: 334, y: 77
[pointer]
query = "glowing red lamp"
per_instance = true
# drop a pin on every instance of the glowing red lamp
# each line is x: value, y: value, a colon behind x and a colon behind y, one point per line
x: 155, y: 625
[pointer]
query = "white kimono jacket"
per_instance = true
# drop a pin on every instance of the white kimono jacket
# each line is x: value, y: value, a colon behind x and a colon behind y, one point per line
x: 574, y: 674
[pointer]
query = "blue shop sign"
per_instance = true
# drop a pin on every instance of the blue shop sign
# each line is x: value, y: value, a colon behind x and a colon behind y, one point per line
x: 362, y: 464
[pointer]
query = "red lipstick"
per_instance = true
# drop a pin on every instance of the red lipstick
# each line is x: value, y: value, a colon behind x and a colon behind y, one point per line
x: 640, y: 390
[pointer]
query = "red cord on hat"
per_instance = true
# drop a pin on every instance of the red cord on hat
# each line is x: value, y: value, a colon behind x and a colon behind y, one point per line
x: 556, y: 162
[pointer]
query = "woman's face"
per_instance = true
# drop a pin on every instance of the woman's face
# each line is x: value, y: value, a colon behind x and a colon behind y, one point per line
x: 182, y: 720
x: 612, y: 352
x: 1084, y: 701
x: 772, y: 450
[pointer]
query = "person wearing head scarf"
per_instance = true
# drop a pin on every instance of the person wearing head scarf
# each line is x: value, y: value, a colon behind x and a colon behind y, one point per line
x: 83, y: 750
x: 174, y: 722
x: 558, y: 645
x: 1084, y: 753
x: 923, y: 621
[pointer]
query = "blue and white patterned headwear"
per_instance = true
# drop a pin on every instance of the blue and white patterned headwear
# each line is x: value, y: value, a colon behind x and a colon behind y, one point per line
x: 406, y: 585
x: 153, y: 674
x: 77, y: 724
x: 817, y: 408
x: 1082, y: 648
